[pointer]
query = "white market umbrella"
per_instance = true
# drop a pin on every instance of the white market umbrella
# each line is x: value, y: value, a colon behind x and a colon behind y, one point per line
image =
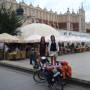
x: 79, y: 39
x: 62, y: 38
x: 85, y: 39
x: 33, y: 38
x: 71, y: 39
x: 4, y: 37
x: 38, y: 28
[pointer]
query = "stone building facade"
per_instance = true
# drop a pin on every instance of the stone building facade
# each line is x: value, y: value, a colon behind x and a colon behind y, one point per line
x: 68, y: 21
x: 87, y: 27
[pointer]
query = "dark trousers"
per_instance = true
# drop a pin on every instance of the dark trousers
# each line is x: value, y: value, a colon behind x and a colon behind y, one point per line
x: 32, y: 59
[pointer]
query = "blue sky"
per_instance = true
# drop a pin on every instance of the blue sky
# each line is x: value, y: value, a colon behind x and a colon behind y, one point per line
x: 62, y: 5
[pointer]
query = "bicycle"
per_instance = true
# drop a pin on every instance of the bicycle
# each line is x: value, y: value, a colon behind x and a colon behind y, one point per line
x: 39, y: 71
x: 40, y: 76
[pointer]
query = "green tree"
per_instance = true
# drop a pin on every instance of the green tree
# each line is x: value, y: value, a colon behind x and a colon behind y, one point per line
x: 9, y: 21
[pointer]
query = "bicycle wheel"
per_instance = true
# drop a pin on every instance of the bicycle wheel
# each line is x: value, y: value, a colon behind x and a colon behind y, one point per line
x: 36, y: 77
x: 62, y: 84
x: 59, y: 84
x: 41, y: 75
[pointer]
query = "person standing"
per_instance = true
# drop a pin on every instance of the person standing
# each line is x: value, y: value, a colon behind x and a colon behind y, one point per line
x: 53, y: 49
x: 43, y: 51
x: 53, y: 46
x: 32, y: 56
x: 43, y: 47
x: 6, y: 50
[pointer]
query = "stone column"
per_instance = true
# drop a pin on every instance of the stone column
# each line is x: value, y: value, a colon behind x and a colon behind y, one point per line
x: 53, y: 19
x: 68, y: 24
x: 48, y: 18
x: 68, y: 20
x: 80, y: 26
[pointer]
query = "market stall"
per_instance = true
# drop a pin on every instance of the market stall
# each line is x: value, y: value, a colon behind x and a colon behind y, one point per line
x: 11, y: 47
x: 16, y: 51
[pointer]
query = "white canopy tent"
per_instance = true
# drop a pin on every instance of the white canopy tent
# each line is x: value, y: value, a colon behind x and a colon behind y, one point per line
x: 33, y: 32
x: 62, y: 38
x: 33, y: 38
x: 85, y: 39
x: 39, y: 29
x: 4, y: 37
x: 73, y: 39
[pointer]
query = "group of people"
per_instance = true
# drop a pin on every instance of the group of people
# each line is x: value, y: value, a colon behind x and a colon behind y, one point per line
x: 44, y: 49
x: 56, y: 48
x: 54, y: 69
x: 72, y: 47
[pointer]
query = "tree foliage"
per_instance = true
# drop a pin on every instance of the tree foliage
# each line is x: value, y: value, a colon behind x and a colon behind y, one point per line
x: 9, y: 21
